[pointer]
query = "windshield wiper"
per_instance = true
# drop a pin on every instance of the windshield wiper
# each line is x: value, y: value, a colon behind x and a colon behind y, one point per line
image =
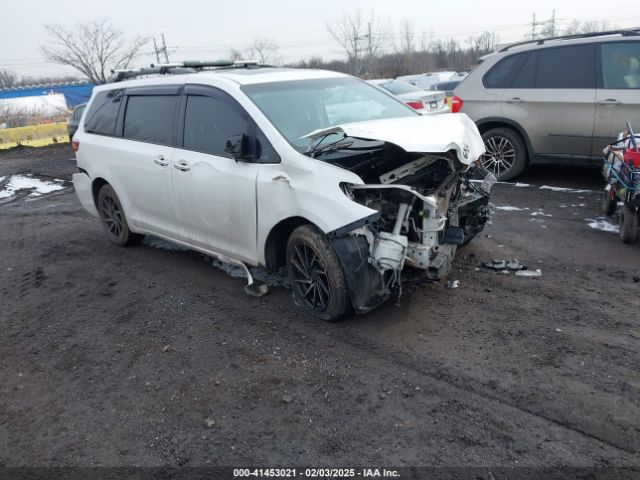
x: 341, y: 144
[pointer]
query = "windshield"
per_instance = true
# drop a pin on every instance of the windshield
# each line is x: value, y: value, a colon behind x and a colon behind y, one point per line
x: 398, y: 88
x: 297, y: 108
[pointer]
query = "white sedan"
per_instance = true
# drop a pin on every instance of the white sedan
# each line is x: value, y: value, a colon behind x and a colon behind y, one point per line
x: 425, y: 102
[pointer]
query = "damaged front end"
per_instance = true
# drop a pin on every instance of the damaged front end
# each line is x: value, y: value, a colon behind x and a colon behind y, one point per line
x: 426, y: 207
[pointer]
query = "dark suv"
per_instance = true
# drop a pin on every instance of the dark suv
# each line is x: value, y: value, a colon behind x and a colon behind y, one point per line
x: 558, y: 100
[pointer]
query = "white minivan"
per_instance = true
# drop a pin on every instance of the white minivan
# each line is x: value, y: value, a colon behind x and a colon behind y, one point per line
x: 268, y: 166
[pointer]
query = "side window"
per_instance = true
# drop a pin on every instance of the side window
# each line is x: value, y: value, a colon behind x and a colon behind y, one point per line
x: 526, y: 77
x: 103, y: 112
x: 500, y: 75
x: 149, y: 118
x: 209, y: 122
x: 566, y: 67
x: 620, y: 65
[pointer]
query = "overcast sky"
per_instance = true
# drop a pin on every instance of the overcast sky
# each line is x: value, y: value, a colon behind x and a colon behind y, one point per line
x: 201, y: 29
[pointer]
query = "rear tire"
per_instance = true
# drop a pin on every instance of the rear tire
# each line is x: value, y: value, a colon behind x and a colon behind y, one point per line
x: 113, y: 218
x: 316, y: 275
x: 609, y: 203
x: 629, y: 224
x: 506, y: 155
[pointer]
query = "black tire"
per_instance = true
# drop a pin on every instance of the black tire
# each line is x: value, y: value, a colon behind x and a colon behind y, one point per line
x: 316, y: 275
x: 629, y: 224
x: 609, y: 203
x: 113, y: 218
x: 506, y: 155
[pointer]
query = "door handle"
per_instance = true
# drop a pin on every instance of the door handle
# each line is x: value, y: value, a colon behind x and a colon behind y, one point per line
x: 609, y: 101
x: 182, y: 165
x: 159, y: 160
x: 515, y: 100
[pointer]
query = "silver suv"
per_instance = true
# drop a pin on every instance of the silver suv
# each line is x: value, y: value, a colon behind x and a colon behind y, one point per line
x: 558, y: 100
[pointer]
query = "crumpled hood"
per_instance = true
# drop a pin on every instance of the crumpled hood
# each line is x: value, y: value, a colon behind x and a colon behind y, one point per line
x: 419, y: 134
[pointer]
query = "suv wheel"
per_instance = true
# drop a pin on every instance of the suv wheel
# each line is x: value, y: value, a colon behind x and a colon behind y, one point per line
x: 506, y: 154
x: 629, y: 224
x: 316, y: 275
x: 113, y: 219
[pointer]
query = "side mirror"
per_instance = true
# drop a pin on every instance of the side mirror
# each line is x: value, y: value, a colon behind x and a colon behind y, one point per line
x: 237, y: 147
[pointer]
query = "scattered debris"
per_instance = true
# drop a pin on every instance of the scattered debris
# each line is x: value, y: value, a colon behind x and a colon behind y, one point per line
x: 500, y: 264
x: 209, y: 422
x: 529, y: 273
x: 453, y: 284
x: 558, y: 330
x: 166, y: 348
x: 287, y: 399
x: 518, y: 184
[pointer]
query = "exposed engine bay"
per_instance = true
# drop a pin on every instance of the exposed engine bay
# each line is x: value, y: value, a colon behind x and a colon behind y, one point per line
x: 426, y: 204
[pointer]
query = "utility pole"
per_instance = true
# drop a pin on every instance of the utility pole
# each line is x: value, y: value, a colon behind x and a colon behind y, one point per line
x: 162, y: 50
x: 553, y: 23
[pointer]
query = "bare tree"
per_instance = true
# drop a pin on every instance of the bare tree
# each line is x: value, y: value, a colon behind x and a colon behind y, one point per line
x: 94, y: 48
x: 360, y: 39
x: 482, y: 43
x: 235, y: 54
x: 8, y: 78
x: 591, y: 26
x: 265, y: 50
x: 404, y: 47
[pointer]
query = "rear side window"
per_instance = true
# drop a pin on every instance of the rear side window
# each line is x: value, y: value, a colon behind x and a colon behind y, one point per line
x: 149, y: 118
x: 526, y: 76
x: 566, y: 67
x: 500, y: 75
x: 209, y: 122
x: 620, y: 65
x: 102, y: 115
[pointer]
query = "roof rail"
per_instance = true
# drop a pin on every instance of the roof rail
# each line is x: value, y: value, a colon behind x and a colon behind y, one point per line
x: 624, y: 32
x: 179, y: 68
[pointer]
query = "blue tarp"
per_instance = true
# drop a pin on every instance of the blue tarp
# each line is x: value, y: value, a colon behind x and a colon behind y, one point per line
x: 73, y: 94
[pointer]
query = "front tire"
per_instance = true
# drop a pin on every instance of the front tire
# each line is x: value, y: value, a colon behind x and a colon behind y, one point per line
x: 506, y: 155
x: 316, y: 275
x: 629, y: 224
x: 113, y: 218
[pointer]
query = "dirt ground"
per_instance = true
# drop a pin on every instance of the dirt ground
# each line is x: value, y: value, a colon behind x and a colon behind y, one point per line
x: 113, y: 357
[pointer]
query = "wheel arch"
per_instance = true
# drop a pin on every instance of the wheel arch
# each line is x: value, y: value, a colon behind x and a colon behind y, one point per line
x: 275, y: 246
x: 96, y: 185
x: 486, y: 124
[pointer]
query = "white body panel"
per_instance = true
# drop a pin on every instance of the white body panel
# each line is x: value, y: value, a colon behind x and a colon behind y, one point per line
x: 225, y: 207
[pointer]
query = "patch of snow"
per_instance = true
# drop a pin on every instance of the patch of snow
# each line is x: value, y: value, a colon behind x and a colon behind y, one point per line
x: 521, y: 185
x: 540, y: 213
x: 508, y: 208
x: 38, y: 186
x: 563, y: 189
x: 603, y: 225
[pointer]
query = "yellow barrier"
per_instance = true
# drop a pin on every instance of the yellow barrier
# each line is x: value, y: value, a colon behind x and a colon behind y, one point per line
x: 34, y: 135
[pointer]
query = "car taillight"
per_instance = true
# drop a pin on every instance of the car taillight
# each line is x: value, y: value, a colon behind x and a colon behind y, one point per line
x: 456, y: 104
x: 417, y: 104
x: 75, y: 145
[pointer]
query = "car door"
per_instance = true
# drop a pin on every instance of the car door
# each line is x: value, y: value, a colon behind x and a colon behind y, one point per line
x: 618, y: 92
x: 140, y: 160
x: 215, y: 194
x: 552, y: 96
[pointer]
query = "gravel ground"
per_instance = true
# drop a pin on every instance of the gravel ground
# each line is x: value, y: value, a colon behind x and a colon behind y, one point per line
x: 150, y: 356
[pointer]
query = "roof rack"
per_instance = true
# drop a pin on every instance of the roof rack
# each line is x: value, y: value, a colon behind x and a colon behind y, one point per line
x: 179, y: 68
x: 624, y: 32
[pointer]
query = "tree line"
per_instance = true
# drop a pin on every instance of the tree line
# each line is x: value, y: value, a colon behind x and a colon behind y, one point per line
x: 370, y: 48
